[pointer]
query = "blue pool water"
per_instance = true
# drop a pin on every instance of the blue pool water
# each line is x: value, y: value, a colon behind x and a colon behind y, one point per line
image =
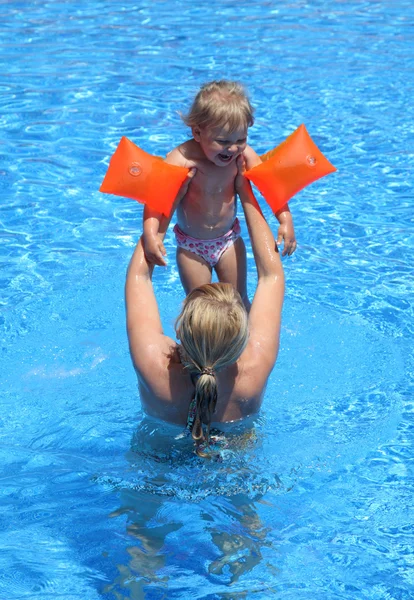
x: 99, y: 502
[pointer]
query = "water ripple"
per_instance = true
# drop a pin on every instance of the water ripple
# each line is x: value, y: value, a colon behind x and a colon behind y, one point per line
x: 319, y: 504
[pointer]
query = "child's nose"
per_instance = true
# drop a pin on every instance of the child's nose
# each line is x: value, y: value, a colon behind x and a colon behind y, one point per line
x: 233, y: 148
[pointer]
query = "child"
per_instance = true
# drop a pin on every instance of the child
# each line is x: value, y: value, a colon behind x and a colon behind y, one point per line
x: 207, y: 229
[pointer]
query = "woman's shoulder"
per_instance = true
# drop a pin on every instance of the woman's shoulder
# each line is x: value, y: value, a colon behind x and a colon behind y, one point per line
x: 165, y: 386
x: 241, y: 390
x: 152, y: 358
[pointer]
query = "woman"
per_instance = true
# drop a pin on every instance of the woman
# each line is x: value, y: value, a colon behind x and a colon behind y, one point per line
x: 219, y: 369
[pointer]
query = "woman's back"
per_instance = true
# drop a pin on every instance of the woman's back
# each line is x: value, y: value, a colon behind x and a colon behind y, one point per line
x: 168, y: 390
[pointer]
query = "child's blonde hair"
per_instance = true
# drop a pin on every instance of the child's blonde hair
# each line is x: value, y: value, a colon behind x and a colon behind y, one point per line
x: 220, y: 104
x: 213, y: 330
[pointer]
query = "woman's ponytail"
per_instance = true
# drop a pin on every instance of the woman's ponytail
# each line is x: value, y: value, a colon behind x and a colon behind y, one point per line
x: 205, y: 406
x: 213, y: 331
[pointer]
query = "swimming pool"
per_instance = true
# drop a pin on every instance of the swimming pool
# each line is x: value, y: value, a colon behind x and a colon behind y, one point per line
x: 97, y: 502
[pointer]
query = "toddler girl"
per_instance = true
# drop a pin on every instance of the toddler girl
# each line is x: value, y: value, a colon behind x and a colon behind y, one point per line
x: 207, y: 229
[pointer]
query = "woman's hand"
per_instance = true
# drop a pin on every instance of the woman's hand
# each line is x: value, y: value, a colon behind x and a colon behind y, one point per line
x: 184, y: 187
x: 241, y: 183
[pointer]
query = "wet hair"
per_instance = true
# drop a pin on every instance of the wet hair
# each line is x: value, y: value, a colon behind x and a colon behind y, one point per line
x: 220, y: 104
x: 213, y: 330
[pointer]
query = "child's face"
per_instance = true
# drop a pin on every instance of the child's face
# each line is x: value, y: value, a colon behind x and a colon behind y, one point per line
x: 219, y: 145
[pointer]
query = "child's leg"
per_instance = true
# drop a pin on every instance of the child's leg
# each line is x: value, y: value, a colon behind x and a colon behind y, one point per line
x: 194, y: 271
x: 232, y: 268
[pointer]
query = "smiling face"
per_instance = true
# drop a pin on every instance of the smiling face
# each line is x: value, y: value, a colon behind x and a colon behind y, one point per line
x: 220, y: 145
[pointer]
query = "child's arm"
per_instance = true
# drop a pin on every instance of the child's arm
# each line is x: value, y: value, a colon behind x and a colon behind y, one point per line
x: 251, y: 158
x: 286, y: 231
x: 153, y: 246
x: 152, y: 239
x: 266, y: 311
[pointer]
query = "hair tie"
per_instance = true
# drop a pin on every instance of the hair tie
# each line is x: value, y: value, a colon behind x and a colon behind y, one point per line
x: 207, y: 371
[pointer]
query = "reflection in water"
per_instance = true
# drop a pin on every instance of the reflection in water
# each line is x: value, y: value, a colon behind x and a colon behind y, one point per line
x: 224, y: 540
x: 240, y: 546
x: 192, y: 523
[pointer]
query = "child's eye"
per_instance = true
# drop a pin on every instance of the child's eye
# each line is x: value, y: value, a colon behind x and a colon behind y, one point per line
x: 230, y: 143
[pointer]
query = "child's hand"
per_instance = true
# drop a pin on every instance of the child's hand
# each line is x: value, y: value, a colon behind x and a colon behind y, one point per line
x: 154, y: 250
x: 286, y: 234
x: 286, y: 231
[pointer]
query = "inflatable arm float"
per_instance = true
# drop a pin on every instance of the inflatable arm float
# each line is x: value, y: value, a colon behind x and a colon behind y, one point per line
x: 288, y: 168
x: 143, y: 177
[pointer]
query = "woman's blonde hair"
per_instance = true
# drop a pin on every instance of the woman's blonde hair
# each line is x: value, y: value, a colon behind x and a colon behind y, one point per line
x: 220, y: 104
x: 213, y: 330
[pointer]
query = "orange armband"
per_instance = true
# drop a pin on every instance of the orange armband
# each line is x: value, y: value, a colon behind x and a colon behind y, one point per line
x: 143, y: 177
x: 288, y: 168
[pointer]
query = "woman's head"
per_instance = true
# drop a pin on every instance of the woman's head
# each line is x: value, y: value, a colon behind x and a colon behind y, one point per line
x: 213, y: 331
x: 212, y: 327
x: 220, y: 104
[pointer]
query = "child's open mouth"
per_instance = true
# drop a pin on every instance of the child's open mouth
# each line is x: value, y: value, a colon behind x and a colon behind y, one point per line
x: 225, y: 157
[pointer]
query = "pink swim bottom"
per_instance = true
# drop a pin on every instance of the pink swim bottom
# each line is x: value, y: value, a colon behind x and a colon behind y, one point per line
x: 210, y: 250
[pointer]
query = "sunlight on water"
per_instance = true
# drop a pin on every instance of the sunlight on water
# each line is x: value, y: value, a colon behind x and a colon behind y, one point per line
x: 314, y: 498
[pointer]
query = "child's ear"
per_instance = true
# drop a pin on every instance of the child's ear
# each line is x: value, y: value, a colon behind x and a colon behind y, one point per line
x: 196, y: 133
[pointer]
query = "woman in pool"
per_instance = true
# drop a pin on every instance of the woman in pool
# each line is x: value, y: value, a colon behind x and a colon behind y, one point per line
x: 218, y: 371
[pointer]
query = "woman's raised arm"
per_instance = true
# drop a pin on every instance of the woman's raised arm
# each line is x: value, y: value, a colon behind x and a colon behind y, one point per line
x: 266, y: 311
x: 142, y: 314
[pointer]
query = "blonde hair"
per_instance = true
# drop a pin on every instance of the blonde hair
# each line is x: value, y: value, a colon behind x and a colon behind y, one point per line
x: 213, y: 330
x: 220, y: 104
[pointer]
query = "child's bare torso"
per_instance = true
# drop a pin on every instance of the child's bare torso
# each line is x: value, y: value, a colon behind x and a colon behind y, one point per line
x: 208, y: 209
